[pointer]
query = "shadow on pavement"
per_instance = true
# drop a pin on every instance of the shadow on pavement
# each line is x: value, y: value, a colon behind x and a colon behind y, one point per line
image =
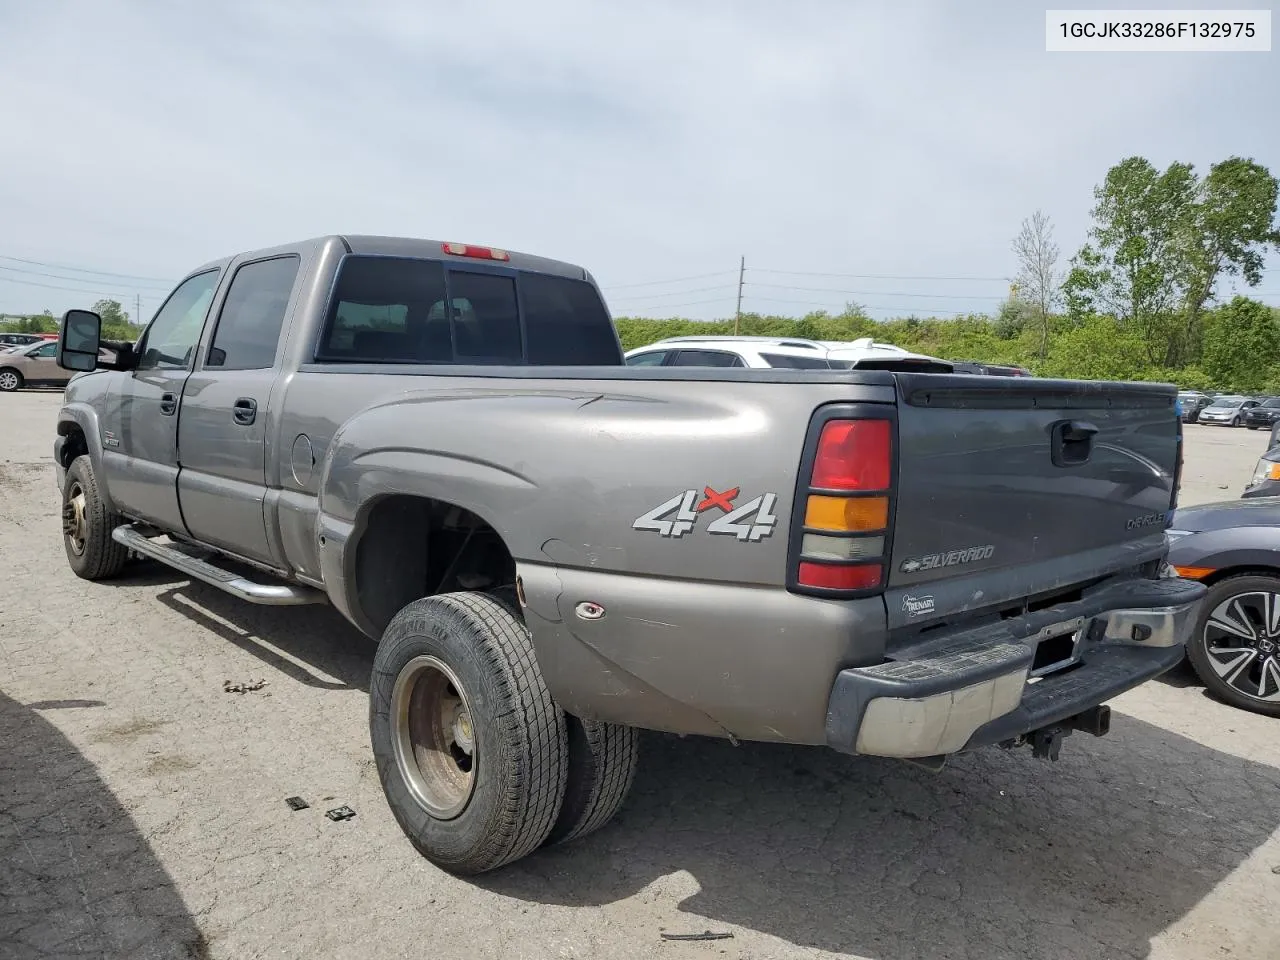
x: 77, y: 878
x: 288, y: 639
x: 997, y: 856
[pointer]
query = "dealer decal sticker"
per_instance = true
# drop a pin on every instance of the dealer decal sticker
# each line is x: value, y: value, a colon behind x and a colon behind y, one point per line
x: 751, y: 521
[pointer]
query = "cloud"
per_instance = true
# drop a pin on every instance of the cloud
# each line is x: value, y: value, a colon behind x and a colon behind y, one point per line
x: 645, y: 141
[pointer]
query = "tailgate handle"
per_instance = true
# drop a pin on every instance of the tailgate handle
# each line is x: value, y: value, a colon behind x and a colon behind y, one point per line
x: 1072, y: 442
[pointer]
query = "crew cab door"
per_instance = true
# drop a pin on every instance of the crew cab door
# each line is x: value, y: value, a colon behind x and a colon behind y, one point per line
x: 226, y: 412
x: 140, y: 429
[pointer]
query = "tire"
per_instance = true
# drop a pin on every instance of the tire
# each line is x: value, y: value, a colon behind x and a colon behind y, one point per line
x: 1254, y: 684
x: 10, y: 380
x: 1235, y: 421
x: 485, y: 789
x: 602, y: 765
x: 87, y: 525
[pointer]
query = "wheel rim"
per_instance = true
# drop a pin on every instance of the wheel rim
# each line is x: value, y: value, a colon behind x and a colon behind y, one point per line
x: 1242, y: 640
x: 73, y: 521
x: 433, y: 737
x: 8, y: 380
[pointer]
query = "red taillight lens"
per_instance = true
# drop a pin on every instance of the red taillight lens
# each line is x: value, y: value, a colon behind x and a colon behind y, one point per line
x: 829, y: 576
x: 846, y: 514
x: 853, y: 455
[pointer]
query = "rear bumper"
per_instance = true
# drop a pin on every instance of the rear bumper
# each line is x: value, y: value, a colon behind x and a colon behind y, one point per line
x: 972, y: 688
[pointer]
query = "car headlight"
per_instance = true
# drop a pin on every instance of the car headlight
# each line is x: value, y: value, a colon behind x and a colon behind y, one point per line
x: 1265, y: 470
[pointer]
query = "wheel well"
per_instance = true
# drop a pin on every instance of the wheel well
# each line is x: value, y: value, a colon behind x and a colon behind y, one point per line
x: 76, y: 445
x: 1245, y: 571
x: 412, y: 547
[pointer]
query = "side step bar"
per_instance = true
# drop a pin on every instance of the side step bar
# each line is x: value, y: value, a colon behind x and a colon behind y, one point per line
x: 271, y: 594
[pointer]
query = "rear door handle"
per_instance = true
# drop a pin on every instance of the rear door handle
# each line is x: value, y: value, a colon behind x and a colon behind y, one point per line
x: 245, y: 411
x: 168, y: 404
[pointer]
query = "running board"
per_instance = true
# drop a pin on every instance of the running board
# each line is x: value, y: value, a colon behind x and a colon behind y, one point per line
x: 271, y: 594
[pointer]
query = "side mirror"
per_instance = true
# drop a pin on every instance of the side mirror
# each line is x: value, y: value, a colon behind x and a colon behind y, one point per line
x: 79, y: 340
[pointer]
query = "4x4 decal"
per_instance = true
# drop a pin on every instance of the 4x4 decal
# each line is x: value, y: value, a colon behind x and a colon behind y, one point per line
x: 750, y: 522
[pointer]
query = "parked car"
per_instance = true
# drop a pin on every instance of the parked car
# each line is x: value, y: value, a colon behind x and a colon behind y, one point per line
x: 20, y: 339
x: 1227, y: 411
x: 1265, y: 481
x: 782, y: 353
x: 1264, y: 415
x: 989, y: 369
x: 36, y: 365
x: 1192, y: 402
x: 555, y: 549
x: 1233, y: 548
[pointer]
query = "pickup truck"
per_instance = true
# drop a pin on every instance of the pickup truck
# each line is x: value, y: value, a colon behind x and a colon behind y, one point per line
x: 554, y: 550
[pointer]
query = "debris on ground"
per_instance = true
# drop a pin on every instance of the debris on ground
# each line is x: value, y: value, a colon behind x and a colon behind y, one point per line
x: 249, y: 686
x: 340, y: 813
x: 296, y: 803
x: 705, y: 935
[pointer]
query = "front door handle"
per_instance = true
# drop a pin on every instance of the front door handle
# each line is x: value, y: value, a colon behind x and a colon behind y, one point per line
x: 245, y: 411
x: 168, y: 404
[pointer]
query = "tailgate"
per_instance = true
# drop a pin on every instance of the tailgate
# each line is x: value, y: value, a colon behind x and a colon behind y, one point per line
x: 1063, y: 480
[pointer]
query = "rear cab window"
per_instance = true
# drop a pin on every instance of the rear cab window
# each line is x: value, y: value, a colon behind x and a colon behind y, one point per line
x: 421, y: 311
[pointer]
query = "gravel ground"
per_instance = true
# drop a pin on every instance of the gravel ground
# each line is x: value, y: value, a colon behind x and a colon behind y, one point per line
x: 142, y: 807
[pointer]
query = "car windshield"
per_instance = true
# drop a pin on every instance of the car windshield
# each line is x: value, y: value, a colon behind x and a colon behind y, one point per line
x: 1272, y: 402
x: 1226, y: 402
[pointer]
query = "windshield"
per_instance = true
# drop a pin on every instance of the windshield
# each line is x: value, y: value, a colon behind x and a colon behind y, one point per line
x: 1273, y: 402
x: 1226, y: 402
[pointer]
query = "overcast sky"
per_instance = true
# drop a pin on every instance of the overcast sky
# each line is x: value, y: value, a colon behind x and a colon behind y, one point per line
x: 647, y: 141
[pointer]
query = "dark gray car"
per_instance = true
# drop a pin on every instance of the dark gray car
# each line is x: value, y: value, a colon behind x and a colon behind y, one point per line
x: 1234, y: 549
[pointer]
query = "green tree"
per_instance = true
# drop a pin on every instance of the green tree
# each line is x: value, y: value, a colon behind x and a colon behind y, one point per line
x: 1242, y: 344
x: 111, y: 312
x: 1131, y: 265
x: 1230, y: 227
x: 1161, y: 241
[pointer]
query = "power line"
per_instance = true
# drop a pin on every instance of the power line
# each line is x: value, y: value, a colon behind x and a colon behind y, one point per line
x: 654, y: 283
x: 100, y: 273
x: 816, y: 303
x: 673, y: 293
x: 89, y: 290
x: 875, y: 293
x: 881, y: 276
x: 675, y: 306
x: 57, y: 276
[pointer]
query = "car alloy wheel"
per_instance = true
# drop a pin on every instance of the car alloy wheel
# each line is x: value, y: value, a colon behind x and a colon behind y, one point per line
x: 1242, y: 641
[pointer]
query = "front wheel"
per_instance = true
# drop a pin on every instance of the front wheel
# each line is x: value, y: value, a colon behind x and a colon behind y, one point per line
x: 1235, y: 648
x: 10, y: 380
x: 471, y: 750
x: 1235, y: 421
x: 87, y: 525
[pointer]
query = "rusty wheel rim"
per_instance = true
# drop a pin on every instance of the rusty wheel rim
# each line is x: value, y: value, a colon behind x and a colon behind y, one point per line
x: 73, y: 519
x: 433, y: 737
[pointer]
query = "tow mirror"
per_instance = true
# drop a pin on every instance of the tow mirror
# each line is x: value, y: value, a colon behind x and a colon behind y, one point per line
x: 79, y: 340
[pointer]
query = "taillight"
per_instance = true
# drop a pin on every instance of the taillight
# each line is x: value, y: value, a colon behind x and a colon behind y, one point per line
x: 843, y: 505
x: 470, y: 250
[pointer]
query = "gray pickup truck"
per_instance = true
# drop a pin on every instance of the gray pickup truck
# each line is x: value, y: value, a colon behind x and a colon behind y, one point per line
x: 554, y: 550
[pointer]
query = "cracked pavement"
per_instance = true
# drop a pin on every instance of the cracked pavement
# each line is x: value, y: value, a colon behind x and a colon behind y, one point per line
x: 142, y: 809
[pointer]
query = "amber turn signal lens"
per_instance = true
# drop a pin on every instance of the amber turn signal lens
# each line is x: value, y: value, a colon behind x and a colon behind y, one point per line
x: 1193, y: 573
x: 846, y: 514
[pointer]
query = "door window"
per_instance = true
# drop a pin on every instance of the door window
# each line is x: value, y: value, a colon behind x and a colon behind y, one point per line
x: 49, y: 350
x: 707, y: 358
x: 171, y: 339
x: 653, y: 358
x: 252, y: 315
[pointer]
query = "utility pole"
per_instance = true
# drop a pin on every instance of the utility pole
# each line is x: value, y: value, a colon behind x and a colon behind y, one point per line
x: 137, y: 309
x: 737, y: 317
